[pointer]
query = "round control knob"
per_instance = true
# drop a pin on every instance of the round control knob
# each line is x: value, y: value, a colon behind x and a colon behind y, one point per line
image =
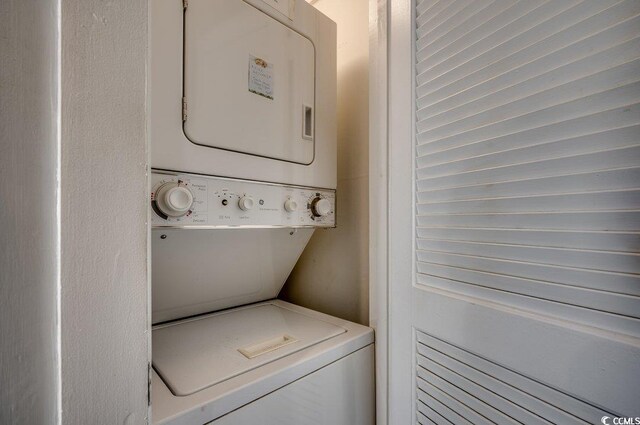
x: 245, y: 203
x: 320, y: 207
x: 290, y: 205
x: 173, y: 200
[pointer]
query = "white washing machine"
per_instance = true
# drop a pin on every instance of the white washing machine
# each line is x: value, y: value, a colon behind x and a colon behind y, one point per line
x: 243, y: 150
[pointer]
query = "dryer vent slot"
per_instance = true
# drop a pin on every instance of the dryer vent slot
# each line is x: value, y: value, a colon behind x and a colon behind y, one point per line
x: 267, y: 346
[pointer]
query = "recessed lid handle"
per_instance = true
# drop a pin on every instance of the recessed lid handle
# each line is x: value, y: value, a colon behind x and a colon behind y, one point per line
x: 267, y: 346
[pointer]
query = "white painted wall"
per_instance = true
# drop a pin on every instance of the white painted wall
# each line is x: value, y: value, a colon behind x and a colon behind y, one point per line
x: 332, y: 275
x: 105, y: 326
x: 28, y: 241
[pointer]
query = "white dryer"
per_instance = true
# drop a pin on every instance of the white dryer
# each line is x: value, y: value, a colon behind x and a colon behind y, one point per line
x: 243, y: 151
x: 243, y: 88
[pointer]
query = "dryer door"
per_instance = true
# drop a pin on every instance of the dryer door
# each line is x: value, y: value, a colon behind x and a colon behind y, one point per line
x: 249, y: 82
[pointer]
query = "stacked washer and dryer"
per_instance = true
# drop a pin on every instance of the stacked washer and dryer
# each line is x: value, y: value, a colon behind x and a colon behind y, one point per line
x: 243, y: 152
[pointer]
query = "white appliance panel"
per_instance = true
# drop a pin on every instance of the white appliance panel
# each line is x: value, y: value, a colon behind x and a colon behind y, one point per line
x: 246, y: 145
x: 219, y: 202
x: 339, y: 394
x: 199, y: 271
x: 249, y: 82
x: 196, y: 354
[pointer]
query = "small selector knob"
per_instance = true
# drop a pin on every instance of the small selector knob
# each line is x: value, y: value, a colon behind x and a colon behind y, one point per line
x: 246, y: 203
x: 173, y: 199
x: 290, y: 205
x: 320, y: 207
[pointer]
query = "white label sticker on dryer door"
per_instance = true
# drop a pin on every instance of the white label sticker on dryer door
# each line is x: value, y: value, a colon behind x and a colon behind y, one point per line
x: 260, y: 77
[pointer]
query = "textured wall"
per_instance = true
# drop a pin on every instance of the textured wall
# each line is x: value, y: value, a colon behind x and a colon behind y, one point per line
x: 28, y: 241
x: 332, y: 275
x: 104, y: 212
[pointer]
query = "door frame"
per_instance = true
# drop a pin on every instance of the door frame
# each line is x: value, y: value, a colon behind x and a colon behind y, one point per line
x: 391, y: 182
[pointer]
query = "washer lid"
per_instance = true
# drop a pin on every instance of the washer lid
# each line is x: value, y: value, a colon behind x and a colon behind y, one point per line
x: 193, y: 355
x: 249, y: 82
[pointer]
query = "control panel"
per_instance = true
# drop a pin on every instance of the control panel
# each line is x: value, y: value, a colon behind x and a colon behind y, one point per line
x: 186, y: 200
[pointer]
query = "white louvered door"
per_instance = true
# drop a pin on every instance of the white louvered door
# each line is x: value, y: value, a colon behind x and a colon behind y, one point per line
x: 514, y: 211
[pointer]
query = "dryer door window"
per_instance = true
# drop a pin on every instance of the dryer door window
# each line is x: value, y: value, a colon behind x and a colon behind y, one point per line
x: 249, y: 82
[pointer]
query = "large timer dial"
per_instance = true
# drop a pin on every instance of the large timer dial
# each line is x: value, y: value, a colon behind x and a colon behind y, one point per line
x: 320, y: 207
x: 173, y: 199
